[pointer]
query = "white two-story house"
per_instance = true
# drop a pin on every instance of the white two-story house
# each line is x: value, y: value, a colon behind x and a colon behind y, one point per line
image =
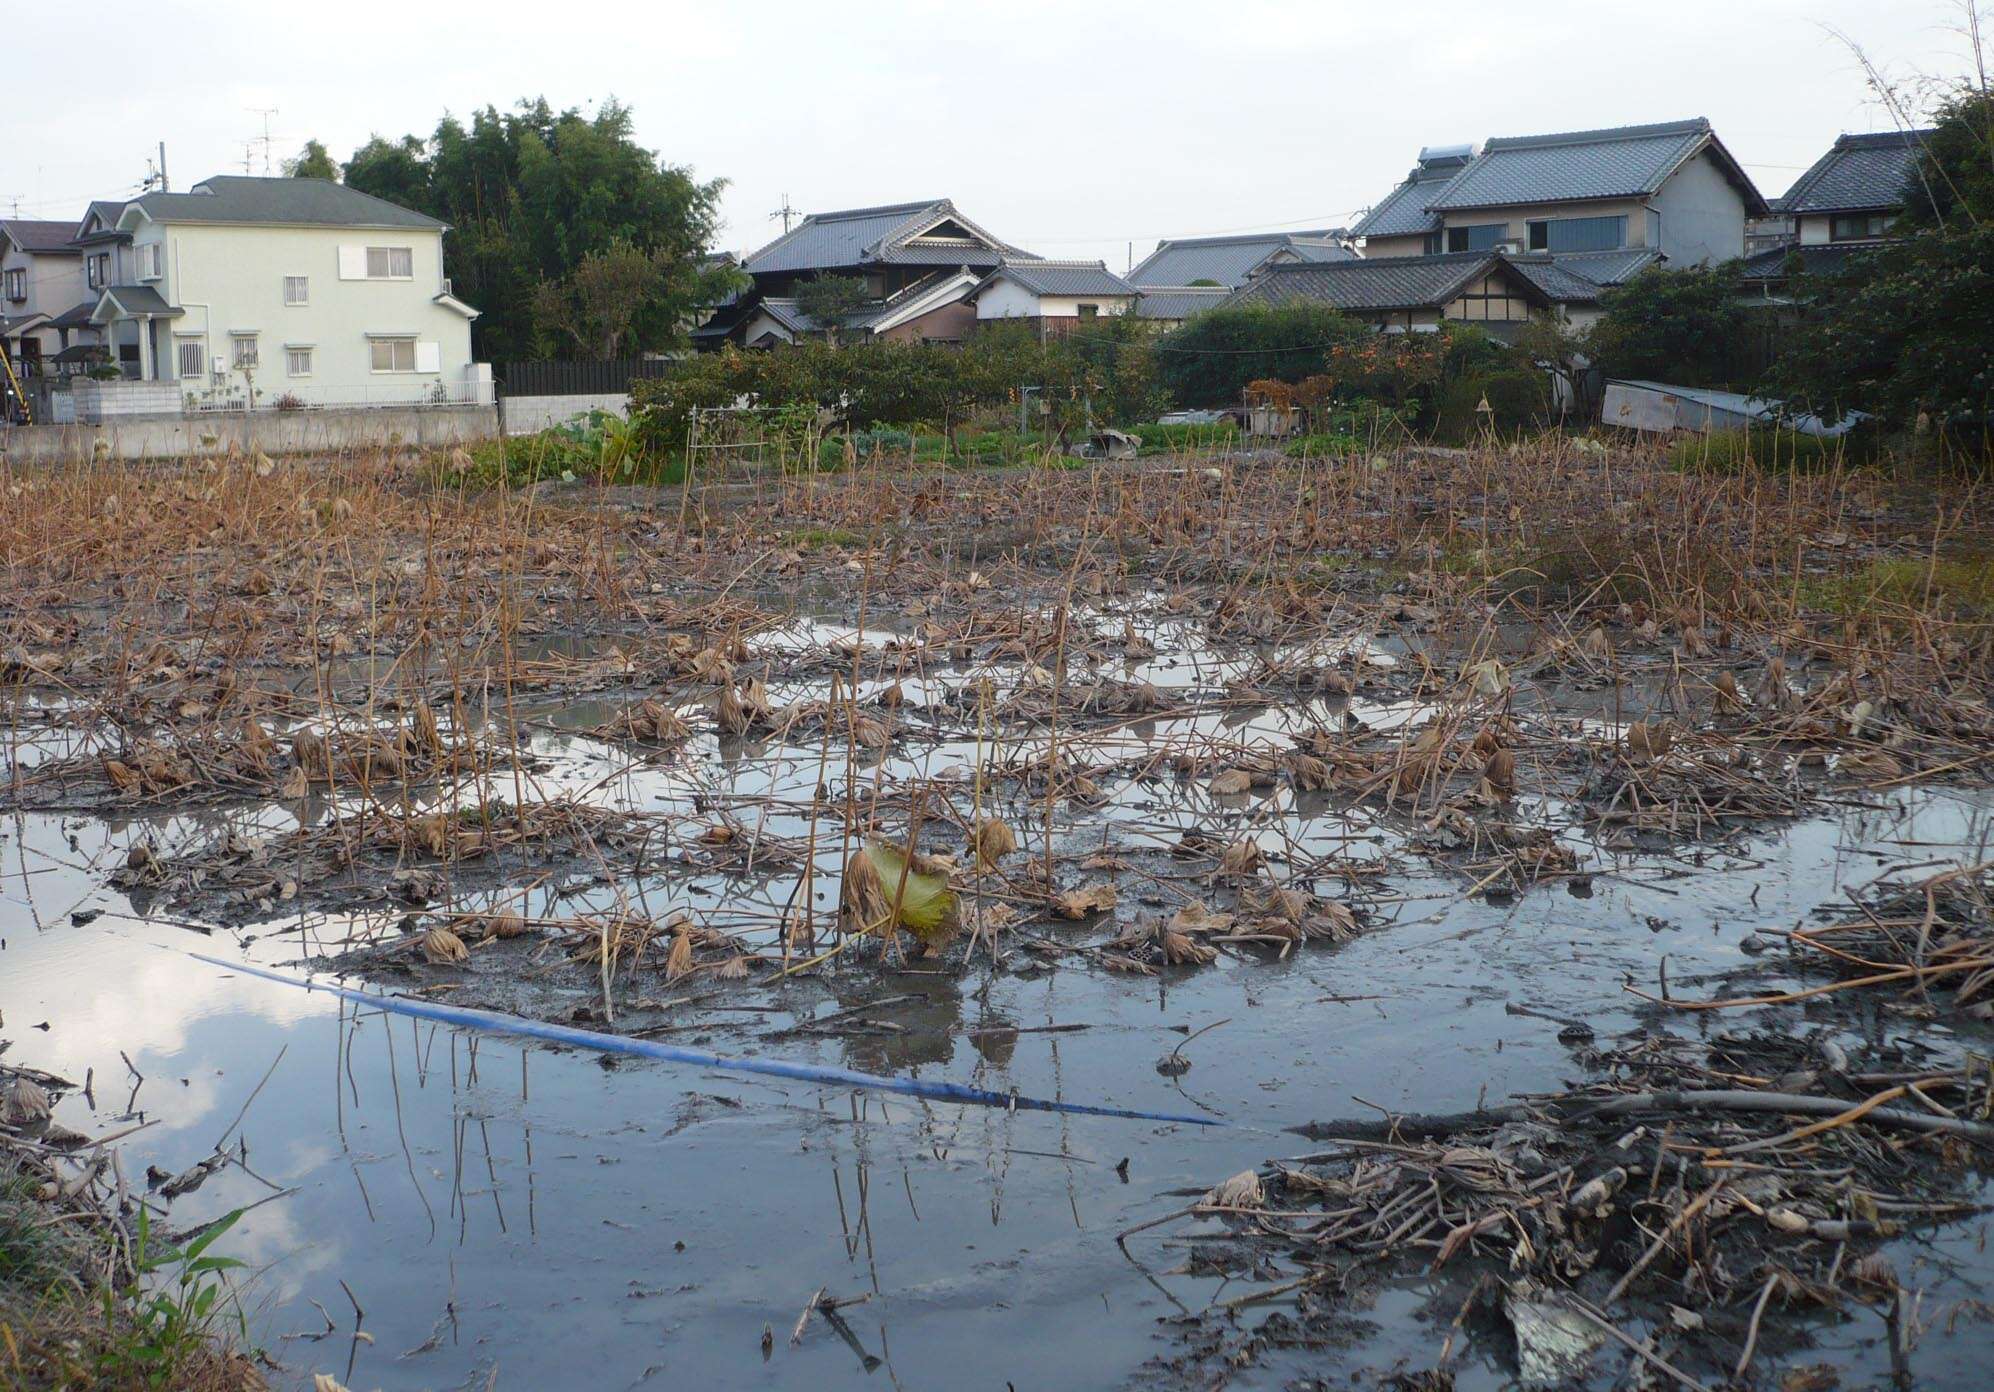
x: 1602, y: 204
x: 279, y: 292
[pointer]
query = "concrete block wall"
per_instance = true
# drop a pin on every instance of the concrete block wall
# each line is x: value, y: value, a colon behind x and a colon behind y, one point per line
x: 268, y: 432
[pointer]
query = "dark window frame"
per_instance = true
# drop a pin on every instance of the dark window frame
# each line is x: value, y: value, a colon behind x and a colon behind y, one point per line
x: 1874, y: 225
x: 1468, y: 238
x: 1539, y: 233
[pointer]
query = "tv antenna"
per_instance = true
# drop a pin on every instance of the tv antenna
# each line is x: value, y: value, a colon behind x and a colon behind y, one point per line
x: 266, y: 112
x: 785, y: 212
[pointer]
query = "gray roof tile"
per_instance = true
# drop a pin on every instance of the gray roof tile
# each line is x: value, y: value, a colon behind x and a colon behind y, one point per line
x: 1178, y: 301
x: 1609, y: 267
x: 1402, y: 212
x: 39, y: 235
x: 1628, y: 161
x: 1776, y: 264
x: 239, y: 198
x: 1228, y: 260
x: 855, y: 237
x: 1860, y: 173
x: 1060, y: 278
x: 1408, y: 282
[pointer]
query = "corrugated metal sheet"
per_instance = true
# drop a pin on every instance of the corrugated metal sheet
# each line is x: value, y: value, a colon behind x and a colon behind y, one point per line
x: 1861, y: 173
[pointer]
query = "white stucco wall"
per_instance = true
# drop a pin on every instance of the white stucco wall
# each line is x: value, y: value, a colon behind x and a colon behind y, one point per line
x: 1006, y: 299
x: 229, y: 280
x: 1702, y: 215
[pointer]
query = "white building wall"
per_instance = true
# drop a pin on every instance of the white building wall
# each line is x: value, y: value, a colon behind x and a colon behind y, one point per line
x: 1702, y: 215
x: 1006, y: 299
x: 229, y: 281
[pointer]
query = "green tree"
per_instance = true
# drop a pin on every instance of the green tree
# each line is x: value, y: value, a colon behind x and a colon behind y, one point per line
x: 1687, y: 327
x: 1209, y: 359
x: 312, y: 162
x: 1902, y: 332
x: 529, y: 194
x: 594, y: 305
x: 833, y: 301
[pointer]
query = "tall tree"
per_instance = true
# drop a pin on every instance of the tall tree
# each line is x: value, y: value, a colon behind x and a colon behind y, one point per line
x: 530, y: 194
x: 312, y: 162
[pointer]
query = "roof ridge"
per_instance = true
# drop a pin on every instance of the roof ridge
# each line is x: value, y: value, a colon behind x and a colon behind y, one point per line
x: 1688, y: 126
x: 877, y: 210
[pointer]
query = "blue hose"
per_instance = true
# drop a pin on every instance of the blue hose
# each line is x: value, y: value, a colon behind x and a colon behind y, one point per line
x: 491, y: 1022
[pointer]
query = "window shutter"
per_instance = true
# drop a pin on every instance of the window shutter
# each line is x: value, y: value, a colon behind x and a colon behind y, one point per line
x: 428, y: 357
x: 353, y: 263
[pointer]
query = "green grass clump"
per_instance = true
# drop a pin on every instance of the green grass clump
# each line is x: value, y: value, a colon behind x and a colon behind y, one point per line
x: 1768, y: 449
x: 1957, y: 586
x: 1158, y: 438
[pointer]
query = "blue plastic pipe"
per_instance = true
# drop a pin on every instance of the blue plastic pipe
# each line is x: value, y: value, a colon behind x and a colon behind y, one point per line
x: 491, y: 1022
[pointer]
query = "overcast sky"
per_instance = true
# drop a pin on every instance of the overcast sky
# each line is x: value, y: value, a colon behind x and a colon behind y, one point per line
x: 1073, y: 129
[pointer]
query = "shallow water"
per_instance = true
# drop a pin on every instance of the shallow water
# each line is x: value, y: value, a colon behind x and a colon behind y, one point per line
x: 559, y: 1221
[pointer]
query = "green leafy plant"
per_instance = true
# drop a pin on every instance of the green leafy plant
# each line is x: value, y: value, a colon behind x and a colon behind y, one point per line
x: 179, y: 1294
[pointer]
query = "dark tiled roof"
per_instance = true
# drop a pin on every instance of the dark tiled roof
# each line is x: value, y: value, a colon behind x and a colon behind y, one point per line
x: 75, y: 317
x: 1400, y: 282
x: 1402, y: 212
x: 1609, y: 267
x: 1861, y: 173
x: 1178, y: 301
x: 857, y: 237
x: 39, y: 236
x: 1623, y: 162
x: 1227, y: 260
x: 1778, y: 263
x: 140, y: 299
x: 1558, y: 281
x: 239, y: 198
x: 1060, y: 278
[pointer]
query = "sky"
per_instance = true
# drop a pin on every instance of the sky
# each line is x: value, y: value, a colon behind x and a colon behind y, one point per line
x: 1085, y: 129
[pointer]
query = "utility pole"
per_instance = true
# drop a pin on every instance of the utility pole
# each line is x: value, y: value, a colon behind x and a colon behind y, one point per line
x: 785, y: 212
x: 164, y: 187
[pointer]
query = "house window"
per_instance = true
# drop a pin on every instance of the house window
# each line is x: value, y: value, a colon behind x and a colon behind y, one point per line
x: 191, y: 357
x: 390, y: 263
x: 1858, y: 227
x: 298, y: 361
x: 1481, y: 237
x: 297, y: 290
x: 392, y: 354
x: 149, y: 261
x: 242, y: 351
x: 17, y: 283
x: 98, y: 270
x: 1578, y: 234
x: 1089, y: 311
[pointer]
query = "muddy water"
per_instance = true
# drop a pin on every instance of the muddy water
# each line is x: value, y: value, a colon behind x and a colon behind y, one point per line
x: 537, y: 1214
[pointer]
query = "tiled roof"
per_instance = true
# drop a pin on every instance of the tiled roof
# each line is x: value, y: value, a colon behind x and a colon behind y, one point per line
x: 1060, y: 278
x: 1776, y: 263
x: 1558, y: 281
x: 1402, y: 212
x: 75, y: 317
x: 1623, y: 162
x: 38, y: 235
x: 1861, y: 173
x: 1609, y: 267
x: 1227, y: 260
x: 1396, y: 282
x: 239, y: 198
x: 857, y: 237
x: 1178, y: 301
